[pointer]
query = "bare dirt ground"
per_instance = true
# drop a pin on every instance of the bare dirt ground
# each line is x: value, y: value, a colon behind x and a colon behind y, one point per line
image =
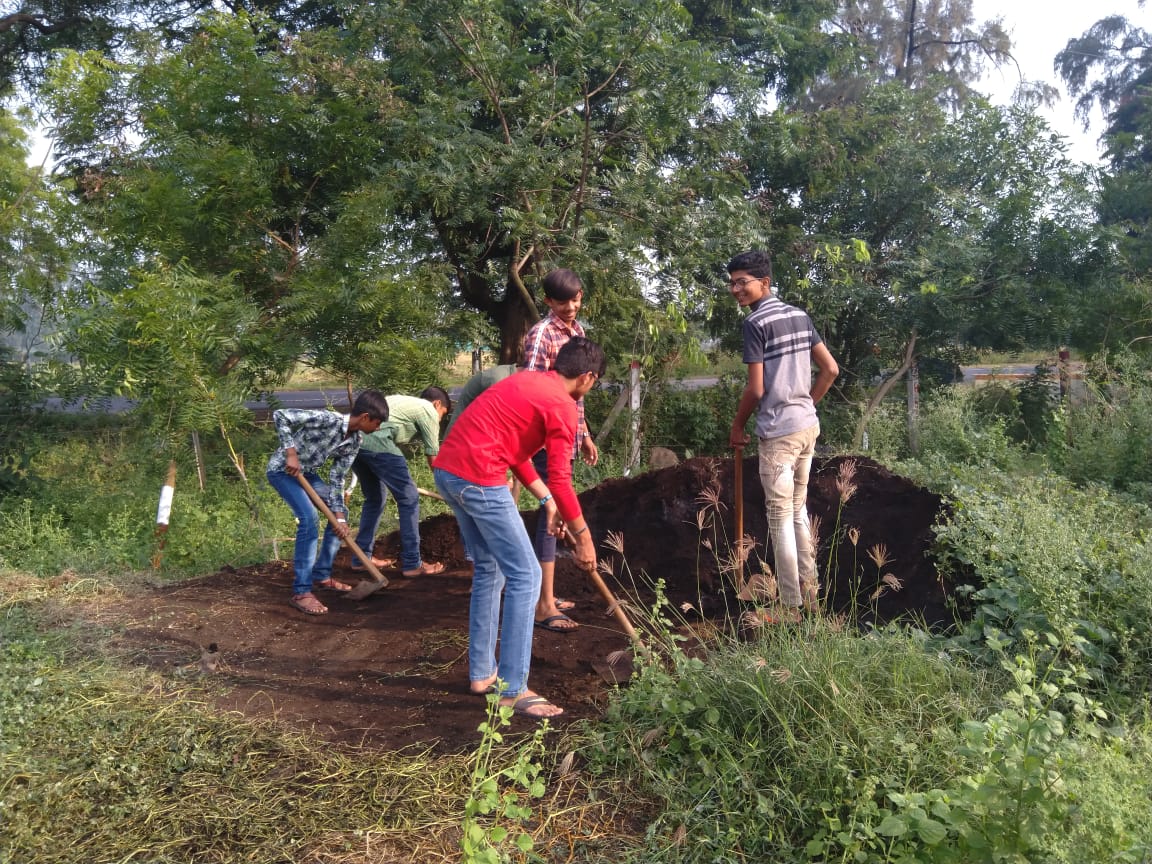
x: 391, y: 672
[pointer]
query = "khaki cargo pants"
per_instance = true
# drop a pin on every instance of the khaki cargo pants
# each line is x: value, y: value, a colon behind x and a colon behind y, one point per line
x: 785, y: 463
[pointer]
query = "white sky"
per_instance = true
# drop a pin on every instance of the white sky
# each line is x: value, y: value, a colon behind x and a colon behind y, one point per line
x: 1040, y: 29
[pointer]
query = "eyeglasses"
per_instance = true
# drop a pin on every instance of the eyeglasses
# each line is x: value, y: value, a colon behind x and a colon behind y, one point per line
x: 595, y: 386
x: 743, y: 283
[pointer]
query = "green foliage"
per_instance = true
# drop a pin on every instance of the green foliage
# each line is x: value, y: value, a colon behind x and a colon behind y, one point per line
x: 1046, y: 557
x: 494, y: 812
x: 1003, y: 810
x: 754, y: 748
x: 1109, y: 782
x: 1108, y: 437
x: 94, y: 507
x: 951, y: 431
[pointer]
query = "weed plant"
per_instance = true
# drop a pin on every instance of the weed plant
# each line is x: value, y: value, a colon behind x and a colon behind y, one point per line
x: 1046, y: 556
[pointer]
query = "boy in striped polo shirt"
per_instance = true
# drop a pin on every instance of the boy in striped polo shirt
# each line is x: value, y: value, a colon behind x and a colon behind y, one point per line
x: 781, y: 347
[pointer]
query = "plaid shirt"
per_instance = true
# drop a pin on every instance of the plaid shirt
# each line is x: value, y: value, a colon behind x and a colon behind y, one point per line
x: 317, y: 436
x: 541, y: 346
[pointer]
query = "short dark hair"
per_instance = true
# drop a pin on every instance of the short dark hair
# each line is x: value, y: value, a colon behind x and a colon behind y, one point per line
x: 578, y: 356
x: 373, y: 403
x: 756, y: 262
x: 437, y: 394
x: 562, y: 284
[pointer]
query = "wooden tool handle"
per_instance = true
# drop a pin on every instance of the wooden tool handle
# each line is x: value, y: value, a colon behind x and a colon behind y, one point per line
x: 738, y: 496
x: 327, y: 511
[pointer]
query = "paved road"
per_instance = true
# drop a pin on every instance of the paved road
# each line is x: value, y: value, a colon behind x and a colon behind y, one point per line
x: 337, y: 398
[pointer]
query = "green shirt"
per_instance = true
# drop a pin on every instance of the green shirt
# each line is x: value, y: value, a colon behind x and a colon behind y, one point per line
x: 476, y: 385
x: 408, y: 417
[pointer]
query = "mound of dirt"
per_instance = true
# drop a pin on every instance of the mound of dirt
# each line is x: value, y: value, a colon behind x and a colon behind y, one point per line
x: 391, y: 671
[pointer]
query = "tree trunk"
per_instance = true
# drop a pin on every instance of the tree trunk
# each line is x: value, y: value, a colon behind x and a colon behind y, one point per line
x: 883, y: 390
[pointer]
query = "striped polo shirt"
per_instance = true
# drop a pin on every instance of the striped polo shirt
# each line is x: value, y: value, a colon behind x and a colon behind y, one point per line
x: 782, y: 337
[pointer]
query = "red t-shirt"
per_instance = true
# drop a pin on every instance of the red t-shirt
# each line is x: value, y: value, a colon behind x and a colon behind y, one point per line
x: 505, y: 425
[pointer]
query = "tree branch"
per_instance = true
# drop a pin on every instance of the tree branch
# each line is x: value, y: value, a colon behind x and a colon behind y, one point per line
x: 9, y: 22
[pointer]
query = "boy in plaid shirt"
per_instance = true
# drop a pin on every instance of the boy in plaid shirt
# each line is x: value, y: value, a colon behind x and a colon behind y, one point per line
x: 563, y: 294
x: 308, y: 439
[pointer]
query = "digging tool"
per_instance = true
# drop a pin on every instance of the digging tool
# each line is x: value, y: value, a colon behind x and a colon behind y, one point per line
x: 738, y: 495
x: 429, y: 494
x: 367, y: 586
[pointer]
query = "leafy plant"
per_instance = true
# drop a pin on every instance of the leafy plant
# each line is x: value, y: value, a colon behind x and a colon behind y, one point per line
x: 494, y: 811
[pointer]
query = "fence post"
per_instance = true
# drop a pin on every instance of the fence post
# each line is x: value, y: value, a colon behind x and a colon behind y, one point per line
x: 634, y: 407
x: 200, y: 474
x: 914, y: 408
x: 163, y: 513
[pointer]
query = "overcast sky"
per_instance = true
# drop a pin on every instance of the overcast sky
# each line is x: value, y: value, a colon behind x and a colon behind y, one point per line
x: 1039, y: 30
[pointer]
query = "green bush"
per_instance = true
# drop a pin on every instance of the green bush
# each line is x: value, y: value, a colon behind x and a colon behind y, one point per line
x: 1049, y: 557
x: 97, y: 491
x: 754, y: 750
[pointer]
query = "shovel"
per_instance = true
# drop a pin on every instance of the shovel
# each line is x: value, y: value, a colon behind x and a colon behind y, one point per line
x: 738, y: 494
x: 367, y: 586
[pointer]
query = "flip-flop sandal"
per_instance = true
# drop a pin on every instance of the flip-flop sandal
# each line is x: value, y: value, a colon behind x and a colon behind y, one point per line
x: 425, y: 570
x: 547, y: 624
x: 378, y: 563
x: 525, y: 704
x: 564, y: 605
x: 332, y: 585
x: 307, y: 604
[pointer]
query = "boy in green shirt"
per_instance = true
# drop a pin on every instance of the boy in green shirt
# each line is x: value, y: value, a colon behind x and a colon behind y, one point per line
x: 381, y: 467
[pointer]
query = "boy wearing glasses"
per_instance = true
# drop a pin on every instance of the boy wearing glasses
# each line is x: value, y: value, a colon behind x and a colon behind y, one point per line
x: 781, y: 348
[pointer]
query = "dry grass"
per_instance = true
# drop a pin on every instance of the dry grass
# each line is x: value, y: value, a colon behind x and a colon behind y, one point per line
x: 106, y: 763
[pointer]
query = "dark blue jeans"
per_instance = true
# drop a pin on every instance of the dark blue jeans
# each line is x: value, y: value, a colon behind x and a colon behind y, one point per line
x: 379, y: 474
x: 309, y: 567
x: 544, y: 543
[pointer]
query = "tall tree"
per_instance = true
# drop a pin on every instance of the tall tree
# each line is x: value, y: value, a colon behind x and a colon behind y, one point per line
x: 924, y: 44
x: 897, y: 224
x: 1110, y: 67
x: 534, y: 134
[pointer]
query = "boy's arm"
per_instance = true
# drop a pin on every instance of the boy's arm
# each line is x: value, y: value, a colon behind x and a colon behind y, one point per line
x: 749, y: 400
x: 428, y: 427
x: 827, y: 371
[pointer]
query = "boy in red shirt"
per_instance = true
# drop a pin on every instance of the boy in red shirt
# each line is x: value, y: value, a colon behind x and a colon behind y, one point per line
x: 501, y: 430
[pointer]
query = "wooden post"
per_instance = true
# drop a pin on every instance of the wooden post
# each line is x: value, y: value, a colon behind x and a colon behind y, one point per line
x: 200, y: 475
x: 634, y: 407
x: 914, y: 408
x: 477, y: 357
x: 163, y: 513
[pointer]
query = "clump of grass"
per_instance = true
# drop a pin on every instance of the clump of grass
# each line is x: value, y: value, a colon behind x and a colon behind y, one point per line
x: 752, y: 748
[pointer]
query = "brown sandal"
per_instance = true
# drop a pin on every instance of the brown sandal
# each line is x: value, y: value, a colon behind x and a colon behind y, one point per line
x: 308, y: 604
x: 331, y: 584
x: 425, y: 570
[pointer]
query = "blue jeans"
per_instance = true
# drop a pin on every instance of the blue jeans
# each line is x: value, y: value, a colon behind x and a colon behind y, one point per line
x: 503, y: 563
x: 379, y: 474
x: 544, y: 542
x: 309, y: 566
